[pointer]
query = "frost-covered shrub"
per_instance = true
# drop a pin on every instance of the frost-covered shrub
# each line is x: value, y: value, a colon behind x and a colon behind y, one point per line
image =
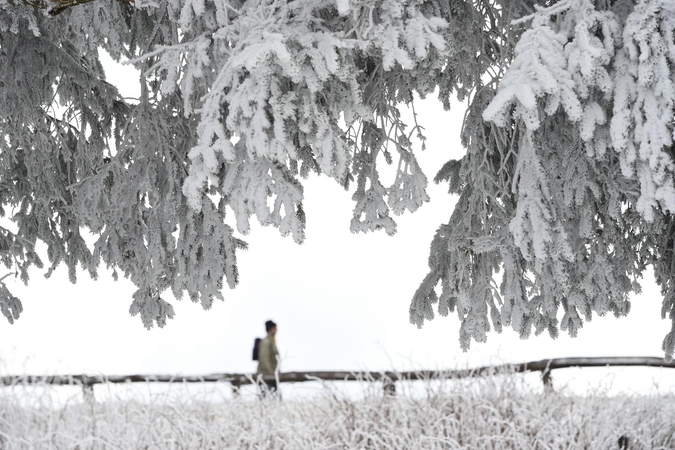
x: 501, y: 413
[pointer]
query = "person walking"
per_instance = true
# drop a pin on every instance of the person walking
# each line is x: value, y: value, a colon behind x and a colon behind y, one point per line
x: 268, y: 359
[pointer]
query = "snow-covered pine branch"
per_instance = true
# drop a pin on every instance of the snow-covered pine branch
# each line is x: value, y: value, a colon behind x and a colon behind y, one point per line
x: 563, y: 175
x: 566, y: 191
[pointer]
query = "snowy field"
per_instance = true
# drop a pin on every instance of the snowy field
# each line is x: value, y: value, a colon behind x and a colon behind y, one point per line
x: 502, y: 412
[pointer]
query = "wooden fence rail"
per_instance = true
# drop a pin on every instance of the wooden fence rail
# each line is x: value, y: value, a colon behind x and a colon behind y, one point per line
x: 545, y: 366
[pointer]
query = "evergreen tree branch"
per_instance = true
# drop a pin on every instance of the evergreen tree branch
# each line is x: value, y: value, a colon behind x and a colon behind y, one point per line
x: 56, y: 7
x: 567, y: 186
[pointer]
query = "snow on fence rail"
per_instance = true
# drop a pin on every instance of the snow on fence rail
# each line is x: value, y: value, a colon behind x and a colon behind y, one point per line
x: 545, y: 366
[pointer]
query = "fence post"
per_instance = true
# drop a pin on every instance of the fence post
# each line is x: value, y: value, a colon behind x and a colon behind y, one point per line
x: 389, y: 386
x: 88, y: 390
x: 236, y: 388
x: 547, y: 380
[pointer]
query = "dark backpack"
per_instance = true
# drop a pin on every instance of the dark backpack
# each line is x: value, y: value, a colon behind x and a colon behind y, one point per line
x: 256, y: 348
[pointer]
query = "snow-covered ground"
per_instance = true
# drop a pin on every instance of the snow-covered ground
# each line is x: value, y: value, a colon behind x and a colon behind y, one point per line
x: 503, y: 412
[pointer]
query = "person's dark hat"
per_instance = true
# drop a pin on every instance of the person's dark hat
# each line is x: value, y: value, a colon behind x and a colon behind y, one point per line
x: 269, y: 325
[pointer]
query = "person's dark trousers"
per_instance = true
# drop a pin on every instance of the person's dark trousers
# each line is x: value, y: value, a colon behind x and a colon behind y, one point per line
x: 269, y: 388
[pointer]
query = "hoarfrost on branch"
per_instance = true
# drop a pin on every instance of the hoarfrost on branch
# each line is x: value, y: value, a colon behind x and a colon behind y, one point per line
x: 566, y: 189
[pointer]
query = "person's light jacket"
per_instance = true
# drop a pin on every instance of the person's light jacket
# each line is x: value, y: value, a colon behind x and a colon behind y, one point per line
x: 268, y: 356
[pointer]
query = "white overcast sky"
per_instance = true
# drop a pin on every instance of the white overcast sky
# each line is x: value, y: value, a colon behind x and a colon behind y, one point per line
x: 340, y: 300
